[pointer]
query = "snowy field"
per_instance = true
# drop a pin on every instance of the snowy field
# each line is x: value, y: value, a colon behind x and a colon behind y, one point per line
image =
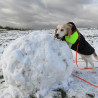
x: 76, y: 88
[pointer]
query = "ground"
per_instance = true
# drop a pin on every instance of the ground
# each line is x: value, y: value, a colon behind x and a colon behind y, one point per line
x: 76, y: 87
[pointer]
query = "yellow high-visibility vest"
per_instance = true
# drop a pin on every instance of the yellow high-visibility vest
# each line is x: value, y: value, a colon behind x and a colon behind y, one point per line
x: 73, y: 38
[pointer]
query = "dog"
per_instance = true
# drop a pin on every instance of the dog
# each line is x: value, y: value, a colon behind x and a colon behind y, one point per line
x: 84, y: 49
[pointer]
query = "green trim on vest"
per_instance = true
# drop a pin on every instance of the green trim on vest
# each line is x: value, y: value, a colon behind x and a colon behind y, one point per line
x: 73, y: 38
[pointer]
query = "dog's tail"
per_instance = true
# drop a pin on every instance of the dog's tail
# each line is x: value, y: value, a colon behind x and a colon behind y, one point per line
x: 95, y: 55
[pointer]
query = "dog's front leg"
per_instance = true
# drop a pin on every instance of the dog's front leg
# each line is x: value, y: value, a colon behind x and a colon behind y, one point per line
x: 86, y: 64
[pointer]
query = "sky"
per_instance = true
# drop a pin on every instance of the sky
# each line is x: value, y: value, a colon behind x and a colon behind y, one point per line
x: 46, y: 14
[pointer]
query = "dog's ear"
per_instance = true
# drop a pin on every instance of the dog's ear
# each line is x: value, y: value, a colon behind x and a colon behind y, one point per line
x: 55, y: 32
x: 69, y: 30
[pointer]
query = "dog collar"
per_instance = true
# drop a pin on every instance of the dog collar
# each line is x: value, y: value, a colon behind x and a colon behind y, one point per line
x: 73, y: 38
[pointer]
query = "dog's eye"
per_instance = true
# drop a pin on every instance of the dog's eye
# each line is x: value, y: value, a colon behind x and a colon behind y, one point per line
x: 62, y: 29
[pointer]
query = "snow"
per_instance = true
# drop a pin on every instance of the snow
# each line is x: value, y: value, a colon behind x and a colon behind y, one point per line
x: 35, y: 64
x: 75, y: 87
x: 3, y: 29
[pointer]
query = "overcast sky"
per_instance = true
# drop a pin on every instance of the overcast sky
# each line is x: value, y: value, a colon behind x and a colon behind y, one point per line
x: 44, y: 14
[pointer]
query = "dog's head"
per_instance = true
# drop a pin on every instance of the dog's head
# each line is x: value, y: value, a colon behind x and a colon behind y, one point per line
x: 64, y: 29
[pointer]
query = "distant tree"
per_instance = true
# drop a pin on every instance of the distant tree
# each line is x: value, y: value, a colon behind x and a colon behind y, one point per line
x: 1, y: 27
x: 12, y: 28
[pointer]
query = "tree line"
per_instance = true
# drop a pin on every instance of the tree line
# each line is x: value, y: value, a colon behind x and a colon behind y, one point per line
x: 11, y: 28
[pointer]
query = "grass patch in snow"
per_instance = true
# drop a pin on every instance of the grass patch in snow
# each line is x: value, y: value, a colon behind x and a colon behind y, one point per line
x: 1, y: 77
x: 1, y: 31
x: 91, y: 95
x: 32, y: 96
x: 62, y: 92
x: 92, y: 36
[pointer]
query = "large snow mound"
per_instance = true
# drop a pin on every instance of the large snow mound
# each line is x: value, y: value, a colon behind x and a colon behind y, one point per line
x: 35, y: 64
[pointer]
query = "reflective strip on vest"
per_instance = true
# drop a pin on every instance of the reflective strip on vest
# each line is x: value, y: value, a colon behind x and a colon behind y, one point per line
x: 73, y: 38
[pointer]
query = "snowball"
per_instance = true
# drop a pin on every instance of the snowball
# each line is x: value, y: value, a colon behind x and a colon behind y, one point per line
x: 35, y: 64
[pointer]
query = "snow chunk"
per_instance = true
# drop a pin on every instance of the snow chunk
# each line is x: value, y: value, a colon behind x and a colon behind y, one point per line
x: 36, y: 64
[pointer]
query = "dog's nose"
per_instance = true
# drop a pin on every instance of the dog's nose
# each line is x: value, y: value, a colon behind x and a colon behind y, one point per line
x: 57, y: 35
